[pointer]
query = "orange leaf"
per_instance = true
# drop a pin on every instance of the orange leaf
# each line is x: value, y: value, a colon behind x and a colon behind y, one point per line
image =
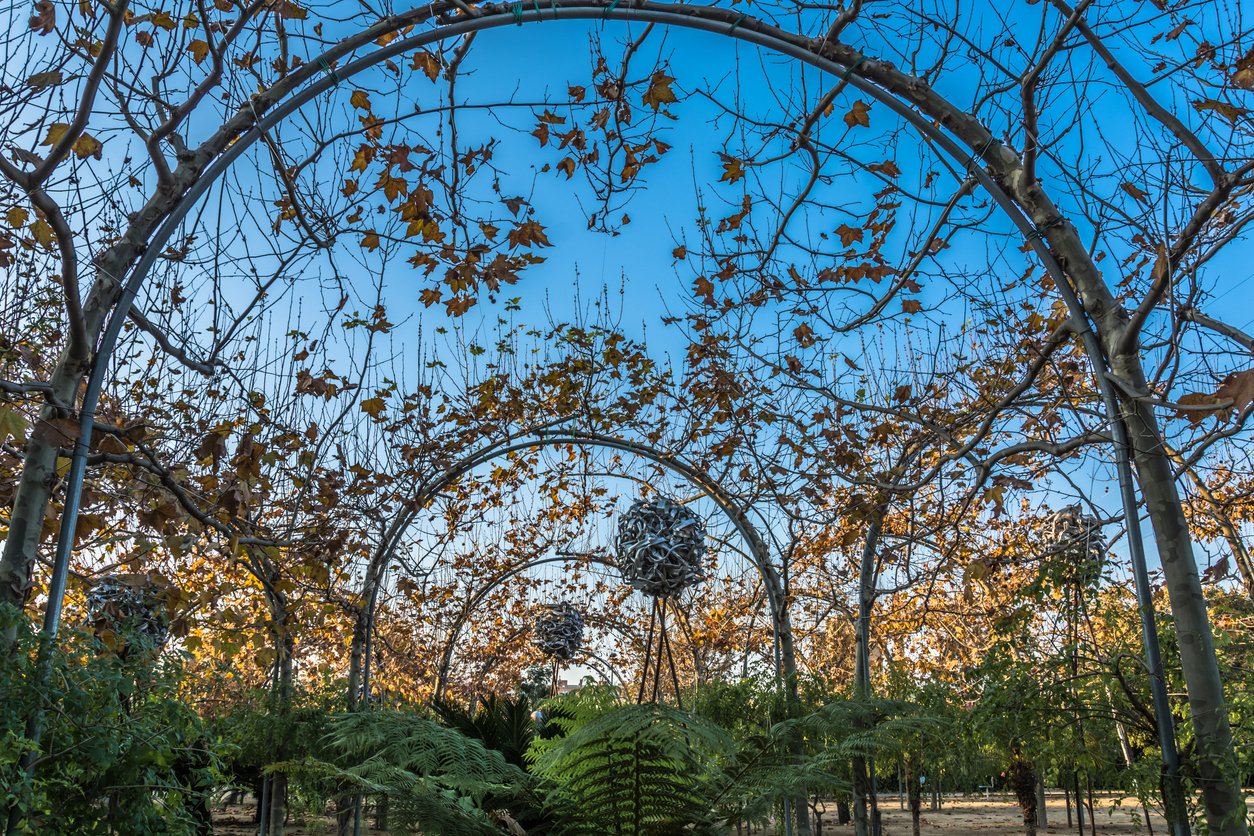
x: 859, y: 115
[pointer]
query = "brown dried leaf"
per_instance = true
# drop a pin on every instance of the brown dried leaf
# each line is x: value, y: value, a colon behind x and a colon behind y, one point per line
x: 859, y: 115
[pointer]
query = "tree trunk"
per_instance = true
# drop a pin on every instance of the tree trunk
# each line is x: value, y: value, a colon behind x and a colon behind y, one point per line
x: 34, y: 490
x: 1022, y: 778
x: 861, y: 794
x: 276, y: 815
x: 914, y: 794
x: 1042, y: 817
x: 1216, y: 761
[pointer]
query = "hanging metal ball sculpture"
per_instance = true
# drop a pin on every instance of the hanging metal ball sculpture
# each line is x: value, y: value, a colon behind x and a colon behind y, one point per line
x: 559, y: 633
x: 1077, y: 538
x: 660, y: 547
x: 123, y: 608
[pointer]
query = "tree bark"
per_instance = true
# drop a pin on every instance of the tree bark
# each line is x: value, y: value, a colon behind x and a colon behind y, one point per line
x: 861, y: 796
x: 1218, y: 773
x: 1022, y: 778
x: 914, y: 794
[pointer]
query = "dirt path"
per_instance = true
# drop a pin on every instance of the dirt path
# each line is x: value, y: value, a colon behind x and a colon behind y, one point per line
x: 969, y: 816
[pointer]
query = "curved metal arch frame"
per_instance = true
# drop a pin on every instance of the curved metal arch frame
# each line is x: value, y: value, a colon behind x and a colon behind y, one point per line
x: 759, y: 552
x: 703, y: 18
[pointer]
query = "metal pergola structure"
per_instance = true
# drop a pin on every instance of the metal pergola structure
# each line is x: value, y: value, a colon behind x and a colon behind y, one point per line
x: 451, y: 19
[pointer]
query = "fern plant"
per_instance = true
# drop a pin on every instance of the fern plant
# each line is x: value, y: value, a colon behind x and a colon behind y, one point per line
x: 503, y: 725
x: 436, y: 779
x: 638, y: 770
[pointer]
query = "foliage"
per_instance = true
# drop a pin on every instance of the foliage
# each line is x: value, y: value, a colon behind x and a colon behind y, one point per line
x: 638, y: 769
x: 121, y: 752
x: 435, y: 778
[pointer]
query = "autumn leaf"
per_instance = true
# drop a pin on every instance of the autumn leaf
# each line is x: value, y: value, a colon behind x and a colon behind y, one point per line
x: 373, y: 407
x: 911, y: 306
x: 527, y: 234
x: 287, y: 10
x: 40, y: 81
x: 57, y: 432
x: 12, y: 425
x: 56, y: 131
x: 362, y: 158
x: 44, y: 20
x: 1140, y: 195
x: 859, y: 115
x: 567, y: 165
x: 87, y: 146
x: 1239, y: 388
x: 199, y: 50
x: 804, y: 335
x: 888, y: 168
x: 1228, y: 111
x: 42, y: 233
x: 459, y: 304
x: 1244, y: 75
x: 1217, y: 571
x: 659, y: 92
x: 360, y: 99
x: 370, y: 241
x: 679, y: 252
x: 17, y: 216
x: 1203, y: 406
x: 427, y: 62
x: 848, y: 234
x: 733, y: 169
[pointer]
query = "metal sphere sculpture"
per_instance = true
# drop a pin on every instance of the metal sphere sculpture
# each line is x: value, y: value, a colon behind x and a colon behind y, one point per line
x: 1077, y: 537
x: 559, y: 632
x: 122, y: 608
x: 660, y: 547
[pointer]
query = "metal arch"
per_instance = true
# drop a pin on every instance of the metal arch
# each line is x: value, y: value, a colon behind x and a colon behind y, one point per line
x: 702, y: 18
x: 446, y: 657
x: 785, y: 657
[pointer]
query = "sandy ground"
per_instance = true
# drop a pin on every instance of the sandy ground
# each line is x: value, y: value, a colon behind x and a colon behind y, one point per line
x: 973, y: 816
x: 969, y: 816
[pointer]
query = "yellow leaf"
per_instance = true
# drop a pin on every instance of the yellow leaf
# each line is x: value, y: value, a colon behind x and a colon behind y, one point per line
x: 370, y: 240
x: 373, y: 407
x: 55, y: 131
x: 199, y: 50
x: 42, y: 233
x: 87, y: 146
x: 12, y: 425
x: 17, y: 216
x: 360, y: 99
